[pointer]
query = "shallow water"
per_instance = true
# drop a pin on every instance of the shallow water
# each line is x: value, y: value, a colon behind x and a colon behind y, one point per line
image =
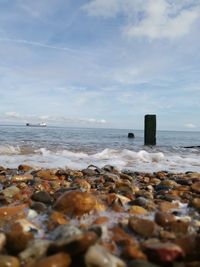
x: 77, y: 148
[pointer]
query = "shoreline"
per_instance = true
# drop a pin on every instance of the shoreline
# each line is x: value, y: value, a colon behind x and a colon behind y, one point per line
x: 123, y: 218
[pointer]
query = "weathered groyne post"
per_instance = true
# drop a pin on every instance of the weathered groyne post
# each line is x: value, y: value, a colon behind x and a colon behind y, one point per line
x: 150, y: 130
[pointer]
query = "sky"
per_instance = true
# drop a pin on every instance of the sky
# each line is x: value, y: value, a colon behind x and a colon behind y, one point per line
x: 100, y: 63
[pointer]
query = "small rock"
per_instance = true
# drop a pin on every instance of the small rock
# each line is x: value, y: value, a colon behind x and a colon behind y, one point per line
x: 164, y: 219
x: 10, y: 191
x: 131, y: 252
x: 9, y: 261
x: 143, y: 227
x: 47, y: 174
x: 196, y: 187
x: 57, y: 260
x: 163, y: 252
x: 2, y: 240
x: 39, y: 207
x: 17, y: 239
x: 8, y: 211
x: 42, y: 196
x: 36, y: 249
x: 76, y: 203
x: 166, y: 206
x: 98, y: 256
x: 121, y: 237
x: 137, y: 210
x: 141, y: 263
x: 196, y: 203
x: 24, y: 168
x: 22, y: 178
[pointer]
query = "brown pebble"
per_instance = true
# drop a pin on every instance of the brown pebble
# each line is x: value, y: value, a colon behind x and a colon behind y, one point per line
x: 163, y: 252
x: 133, y: 252
x: 76, y: 203
x: 143, y: 227
x: 9, y: 261
x: 137, y: 210
x: 196, y: 203
x: 196, y: 187
x: 58, y: 260
x: 164, y: 219
x: 22, y: 178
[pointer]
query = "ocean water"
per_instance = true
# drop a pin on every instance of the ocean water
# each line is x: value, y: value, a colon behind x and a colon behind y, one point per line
x: 77, y: 148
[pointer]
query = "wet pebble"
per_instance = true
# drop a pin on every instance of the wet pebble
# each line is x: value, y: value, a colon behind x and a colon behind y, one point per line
x: 42, y: 196
x: 143, y: 227
x: 77, y: 203
x: 141, y: 263
x: 9, y: 261
x: 98, y: 256
x: 196, y: 187
x: 163, y: 252
x: 58, y: 260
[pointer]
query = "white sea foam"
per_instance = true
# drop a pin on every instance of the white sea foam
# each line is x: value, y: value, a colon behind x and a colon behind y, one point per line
x: 142, y: 160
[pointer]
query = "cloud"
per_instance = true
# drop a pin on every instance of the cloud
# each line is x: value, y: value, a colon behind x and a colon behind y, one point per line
x: 149, y: 18
x: 12, y: 116
x: 104, y: 8
x: 190, y: 125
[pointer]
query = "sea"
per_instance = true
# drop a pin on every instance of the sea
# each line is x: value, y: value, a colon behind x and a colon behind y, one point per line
x: 77, y: 148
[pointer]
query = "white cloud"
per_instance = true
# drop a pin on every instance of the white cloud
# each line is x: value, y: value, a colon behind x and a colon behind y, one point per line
x: 154, y: 19
x: 104, y: 8
x: 16, y: 117
x: 190, y: 125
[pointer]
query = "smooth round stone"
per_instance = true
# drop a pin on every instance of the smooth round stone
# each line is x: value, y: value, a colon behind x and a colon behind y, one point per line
x: 47, y: 175
x: 18, y: 210
x: 137, y: 210
x: 22, y: 178
x: 143, y: 227
x: 98, y: 256
x: 196, y: 187
x: 141, y: 263
x: 163, y: 252
x: 24, y: 168
x: 42, y: 196
x: 58, y: 260
x: 2, y: 240
x: 196, y: 203
x: 11, y: 191
x: 133, y: 252
x: 164, y: 219
x: 9, y: 261
x: 77, y: 203
x: 39, y: 207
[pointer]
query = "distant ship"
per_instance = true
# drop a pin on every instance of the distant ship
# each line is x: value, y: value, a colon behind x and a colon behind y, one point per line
x: 42, y: 124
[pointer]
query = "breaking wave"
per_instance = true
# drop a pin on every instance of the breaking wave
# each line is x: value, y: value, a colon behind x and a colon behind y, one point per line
x: 142, y: 160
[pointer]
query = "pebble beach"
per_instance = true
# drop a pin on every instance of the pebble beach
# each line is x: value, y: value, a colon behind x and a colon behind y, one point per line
x: 98, y: 217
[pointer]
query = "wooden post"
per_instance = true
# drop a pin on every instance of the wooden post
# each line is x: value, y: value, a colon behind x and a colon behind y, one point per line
x: 150, y: 130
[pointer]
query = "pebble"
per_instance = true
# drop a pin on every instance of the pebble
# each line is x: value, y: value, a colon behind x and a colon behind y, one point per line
x: 98, y: 256
x: 196, y: 187
x: 164, y: 219
x: 2, y: 240
x: 58, y: 260
x: 196, y: 203
x: 11, y: 191
x: 42, y: 196
x: 77, y: 203
x: 22, y: 178
x: 163, y: 252
x: 131, y: 252
x: 141, y: 263
x: 137, y: 210
x: 9, y: 261
x: 143, y: 227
